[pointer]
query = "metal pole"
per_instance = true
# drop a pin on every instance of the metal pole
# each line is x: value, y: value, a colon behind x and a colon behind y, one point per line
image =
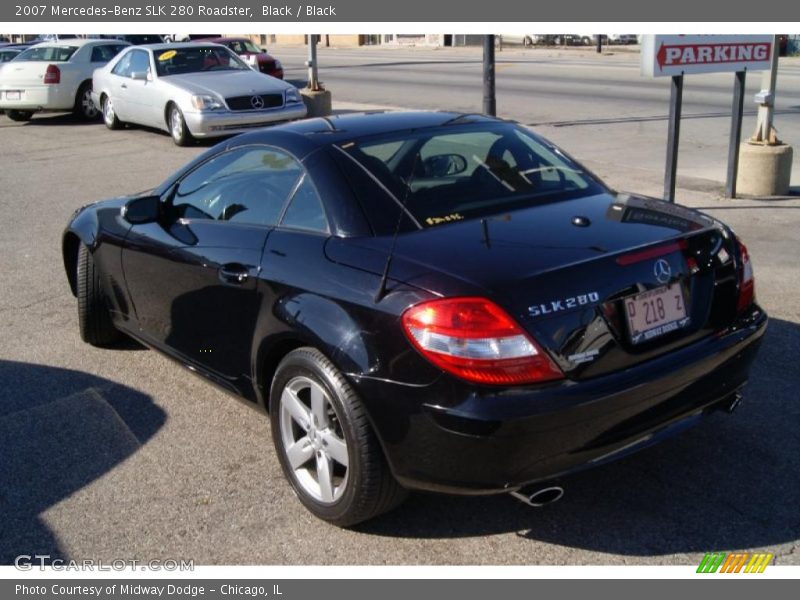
x: 313, y: 81
x: 736, y: 134
x: 599, y: 43
x: 675, y: 104
x: 766, y: 100
x: 489, y: 99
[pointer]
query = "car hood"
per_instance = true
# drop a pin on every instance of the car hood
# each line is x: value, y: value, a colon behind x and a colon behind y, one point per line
x: 227, y: 84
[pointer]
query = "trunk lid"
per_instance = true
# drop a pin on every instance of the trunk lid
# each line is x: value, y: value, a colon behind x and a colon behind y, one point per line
x: 566, y: 270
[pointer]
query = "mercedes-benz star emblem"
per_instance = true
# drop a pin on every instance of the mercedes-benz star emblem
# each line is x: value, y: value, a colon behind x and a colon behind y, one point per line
x: 257, y: 102
x: 662, y: 270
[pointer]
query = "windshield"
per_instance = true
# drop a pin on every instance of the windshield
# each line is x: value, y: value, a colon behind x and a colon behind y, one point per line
x: 442, y: 175
x: 178, y: 61
x: 47, y: 53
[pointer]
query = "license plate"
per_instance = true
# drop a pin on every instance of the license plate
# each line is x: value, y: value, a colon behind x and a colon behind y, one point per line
x: 13, y: 95
x: 656, y: 312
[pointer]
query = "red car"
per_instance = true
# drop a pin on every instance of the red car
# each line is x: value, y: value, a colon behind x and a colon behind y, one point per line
x: 252, y: 54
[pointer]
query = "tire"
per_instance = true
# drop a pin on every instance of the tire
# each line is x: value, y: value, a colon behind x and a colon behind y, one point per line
x: 94, y: 320
x: 84, y: 108
x: 19, y: 115
x: 109, y: 116
x: 325, y: 437
x: 177, y: 127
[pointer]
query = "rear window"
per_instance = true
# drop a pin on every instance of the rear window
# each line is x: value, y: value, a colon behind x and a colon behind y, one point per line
x: 48, y: 53
x: 450, y: 174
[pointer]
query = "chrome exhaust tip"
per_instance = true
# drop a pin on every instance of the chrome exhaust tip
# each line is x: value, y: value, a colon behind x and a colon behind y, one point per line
x: 539, y: 497
x: 733, y: 401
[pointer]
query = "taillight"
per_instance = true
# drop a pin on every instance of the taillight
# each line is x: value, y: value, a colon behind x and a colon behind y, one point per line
x: 52, y: 74
x: 747, y: 284
x: 476, y: 340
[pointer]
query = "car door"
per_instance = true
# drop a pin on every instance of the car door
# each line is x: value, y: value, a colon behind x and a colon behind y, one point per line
x: 192, y: 276
x: 141, y: 94
x: 137, y: 88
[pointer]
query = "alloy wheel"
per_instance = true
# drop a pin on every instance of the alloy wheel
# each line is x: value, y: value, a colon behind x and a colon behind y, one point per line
x: 313, y: 440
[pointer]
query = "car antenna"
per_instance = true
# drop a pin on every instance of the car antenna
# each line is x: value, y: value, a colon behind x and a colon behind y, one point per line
x: 385, y: 277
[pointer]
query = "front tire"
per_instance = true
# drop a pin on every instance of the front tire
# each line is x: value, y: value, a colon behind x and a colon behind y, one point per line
x: 177, y: 127
x: 94, y: 319
x: 84, y: 107
x: 19, y: 115
x: 325, y: 443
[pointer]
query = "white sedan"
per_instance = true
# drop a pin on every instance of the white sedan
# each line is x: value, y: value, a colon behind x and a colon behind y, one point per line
x: 54, y: 76
x: 191, y: 90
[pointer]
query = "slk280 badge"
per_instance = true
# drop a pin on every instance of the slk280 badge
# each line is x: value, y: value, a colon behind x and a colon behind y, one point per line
x: 554, y: 306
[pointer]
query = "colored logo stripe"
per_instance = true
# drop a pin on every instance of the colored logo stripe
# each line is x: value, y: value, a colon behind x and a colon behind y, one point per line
x: 734, y: 563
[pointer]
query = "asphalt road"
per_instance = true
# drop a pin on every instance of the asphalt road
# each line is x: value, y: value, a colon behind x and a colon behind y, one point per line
x: 123, y: 454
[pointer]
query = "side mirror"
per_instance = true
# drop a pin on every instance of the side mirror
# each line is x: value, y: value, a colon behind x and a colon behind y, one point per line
x: 145, y: 209
x: 140, y: 75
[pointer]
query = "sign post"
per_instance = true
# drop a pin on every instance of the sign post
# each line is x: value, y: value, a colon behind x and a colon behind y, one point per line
x: 489, y: 98
x: 673, y: 136
x: 736, y: 134
x: 678, y: 55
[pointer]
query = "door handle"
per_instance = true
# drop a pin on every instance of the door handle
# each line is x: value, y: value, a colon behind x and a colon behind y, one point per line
x: 234, y: 273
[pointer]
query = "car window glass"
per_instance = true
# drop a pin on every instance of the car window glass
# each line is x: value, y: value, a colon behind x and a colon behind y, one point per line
x: 140, y: 62
x: 247, y: 185
x: 305, y: 210
x: 48, y: 53
x: 489, y: 169
x: 123, y: 67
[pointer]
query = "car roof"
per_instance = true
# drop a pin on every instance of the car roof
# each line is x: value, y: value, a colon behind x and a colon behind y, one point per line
x: 73, y: 42
x: 324, y: 131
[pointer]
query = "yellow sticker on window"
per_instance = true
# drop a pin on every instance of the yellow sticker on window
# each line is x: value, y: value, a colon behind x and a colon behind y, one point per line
x: 444, y: 219
x: 167, y: 55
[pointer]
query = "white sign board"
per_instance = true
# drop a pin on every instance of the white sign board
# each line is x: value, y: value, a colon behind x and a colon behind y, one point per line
x: 668, y: 55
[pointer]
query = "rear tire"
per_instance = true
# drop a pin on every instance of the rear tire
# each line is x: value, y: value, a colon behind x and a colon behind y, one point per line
x: 19, y: 115
x: 109, y: 116
x: 94, y: 320
x: 177, y: 127
x: 325, y: 438
x: 84, y: 108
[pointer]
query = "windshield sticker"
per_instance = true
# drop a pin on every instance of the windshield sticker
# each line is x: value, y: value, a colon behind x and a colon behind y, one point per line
x: 166, y: 55
x: 445, y: 219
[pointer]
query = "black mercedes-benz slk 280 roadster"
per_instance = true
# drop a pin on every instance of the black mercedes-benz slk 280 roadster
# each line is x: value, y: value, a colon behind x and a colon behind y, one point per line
x: 427, y: 300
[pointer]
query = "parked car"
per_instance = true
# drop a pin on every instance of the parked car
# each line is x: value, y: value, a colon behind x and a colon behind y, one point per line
x: 529, y: 39
x: 54, y: 76
x: 55, y: 37
x: 191, y: 90
x: 620, y: 38
x: 254, y: 56
x: 425, y: 300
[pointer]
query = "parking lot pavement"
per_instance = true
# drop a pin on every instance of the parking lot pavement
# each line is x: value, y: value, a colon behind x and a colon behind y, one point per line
x: 123, y: 454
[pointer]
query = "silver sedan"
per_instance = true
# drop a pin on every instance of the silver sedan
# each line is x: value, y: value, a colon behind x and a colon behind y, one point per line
x: 191, y: 90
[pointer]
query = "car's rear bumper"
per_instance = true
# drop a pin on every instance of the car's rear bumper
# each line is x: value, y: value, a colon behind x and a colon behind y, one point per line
x: 495, y: 440
x: 36, y: 98
x: 212, y: 124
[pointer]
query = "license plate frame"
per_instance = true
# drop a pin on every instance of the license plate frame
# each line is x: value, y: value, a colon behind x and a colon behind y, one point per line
x: 13, y: 95
x: 644, y: 317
